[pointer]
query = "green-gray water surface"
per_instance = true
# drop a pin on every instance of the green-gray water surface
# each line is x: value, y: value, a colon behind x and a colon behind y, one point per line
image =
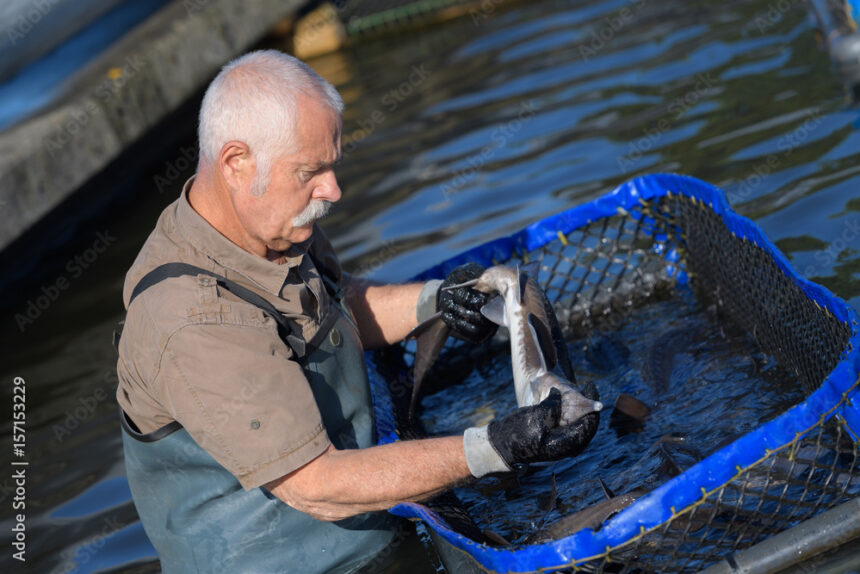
x: 454, y: 134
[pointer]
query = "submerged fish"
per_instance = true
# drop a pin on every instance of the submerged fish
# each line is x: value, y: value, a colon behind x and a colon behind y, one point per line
x: 607, y: 352
x: 589, y: 517
x: 660, y: 362
x: 676, y: 457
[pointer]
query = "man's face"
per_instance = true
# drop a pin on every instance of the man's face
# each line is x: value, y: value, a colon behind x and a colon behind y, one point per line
x: 300, y: 184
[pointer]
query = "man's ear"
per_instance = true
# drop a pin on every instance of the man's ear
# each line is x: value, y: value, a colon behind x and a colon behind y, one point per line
x: 237, y: 165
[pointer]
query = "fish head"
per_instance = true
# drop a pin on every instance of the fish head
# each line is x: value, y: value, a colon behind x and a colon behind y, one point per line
x: 574, y: 405
x: 497, y: 279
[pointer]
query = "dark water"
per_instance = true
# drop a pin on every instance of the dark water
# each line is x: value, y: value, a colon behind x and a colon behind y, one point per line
x: 76, y: 34
x: 454, y: 134
x: 702, y: 382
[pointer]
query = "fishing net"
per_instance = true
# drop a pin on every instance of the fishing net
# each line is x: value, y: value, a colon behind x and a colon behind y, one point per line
x: 599, y: 261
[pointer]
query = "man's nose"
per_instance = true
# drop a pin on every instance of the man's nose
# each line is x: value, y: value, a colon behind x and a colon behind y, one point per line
x: 328, y: 189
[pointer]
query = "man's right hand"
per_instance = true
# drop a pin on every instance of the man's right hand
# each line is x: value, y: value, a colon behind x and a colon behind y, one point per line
x: 461, y: 307
x: 515, y: 439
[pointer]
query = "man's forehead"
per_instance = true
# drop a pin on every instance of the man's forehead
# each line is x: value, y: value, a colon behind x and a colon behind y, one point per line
x: 316, y: 158
x: 318, y: 143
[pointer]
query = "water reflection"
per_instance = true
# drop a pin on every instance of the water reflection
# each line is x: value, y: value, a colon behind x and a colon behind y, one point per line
x: 453, y: 135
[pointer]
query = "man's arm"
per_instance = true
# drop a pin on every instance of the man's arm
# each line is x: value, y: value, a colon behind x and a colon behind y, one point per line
x: 342, y: 483
x: 384, y: 313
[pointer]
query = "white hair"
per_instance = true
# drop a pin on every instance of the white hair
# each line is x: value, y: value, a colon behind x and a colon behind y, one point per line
x: 253, y: 100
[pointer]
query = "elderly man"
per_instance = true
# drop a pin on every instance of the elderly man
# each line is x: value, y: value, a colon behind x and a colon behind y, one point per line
x: 247, y: 425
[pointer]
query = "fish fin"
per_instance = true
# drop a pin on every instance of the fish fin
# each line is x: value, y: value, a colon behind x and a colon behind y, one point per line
x: 606, y: 491
x: 523, y: 274
x: 543, y: 338
x: 431, y: 336
x: 521, y: 285
x: 495, y: 537
x: 423, y: 326
x: 532, y: 268
x: 494, y: 310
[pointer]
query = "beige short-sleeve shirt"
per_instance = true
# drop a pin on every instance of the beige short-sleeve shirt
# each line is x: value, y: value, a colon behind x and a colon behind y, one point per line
x: 193, y: 353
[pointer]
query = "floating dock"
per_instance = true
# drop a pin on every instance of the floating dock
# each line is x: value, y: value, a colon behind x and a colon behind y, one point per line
x: 126, y: 67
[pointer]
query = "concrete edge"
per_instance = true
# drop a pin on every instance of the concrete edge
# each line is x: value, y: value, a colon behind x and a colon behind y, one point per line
x: 125, y: 92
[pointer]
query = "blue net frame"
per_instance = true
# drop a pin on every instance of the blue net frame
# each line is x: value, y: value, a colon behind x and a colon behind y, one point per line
x: 673, y: 229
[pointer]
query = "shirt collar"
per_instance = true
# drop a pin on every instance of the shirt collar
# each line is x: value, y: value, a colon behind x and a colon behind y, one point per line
x: 208, y: 240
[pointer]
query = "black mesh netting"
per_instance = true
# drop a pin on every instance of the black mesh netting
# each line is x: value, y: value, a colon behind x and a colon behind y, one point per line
x: 597, y: 273
x: 752, y: 290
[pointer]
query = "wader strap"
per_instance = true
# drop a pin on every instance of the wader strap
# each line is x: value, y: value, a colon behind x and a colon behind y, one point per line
x: 169, y: 270
x: 334, y: 291
x: 134, y: 432
x: 285, y: 329
x: 180, y: 269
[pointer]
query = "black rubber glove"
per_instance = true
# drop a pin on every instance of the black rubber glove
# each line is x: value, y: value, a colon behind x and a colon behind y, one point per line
x: 515, y: 439
x: 461, y: 308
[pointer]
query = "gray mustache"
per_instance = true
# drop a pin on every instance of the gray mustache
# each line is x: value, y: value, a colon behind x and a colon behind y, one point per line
x: 316, y: 209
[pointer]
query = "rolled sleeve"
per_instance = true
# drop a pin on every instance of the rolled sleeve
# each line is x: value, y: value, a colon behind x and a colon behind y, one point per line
x: 242, y: 397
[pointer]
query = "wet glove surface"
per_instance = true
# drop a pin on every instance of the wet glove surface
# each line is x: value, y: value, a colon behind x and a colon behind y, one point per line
x: 526, y: 435
x: 461, y: 307
x: 521, y: 436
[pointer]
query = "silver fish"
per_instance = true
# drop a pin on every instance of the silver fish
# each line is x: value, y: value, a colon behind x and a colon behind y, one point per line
x: 520, y: 306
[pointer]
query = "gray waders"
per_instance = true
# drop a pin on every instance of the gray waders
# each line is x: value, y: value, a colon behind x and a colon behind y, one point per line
x: 198, y: 516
